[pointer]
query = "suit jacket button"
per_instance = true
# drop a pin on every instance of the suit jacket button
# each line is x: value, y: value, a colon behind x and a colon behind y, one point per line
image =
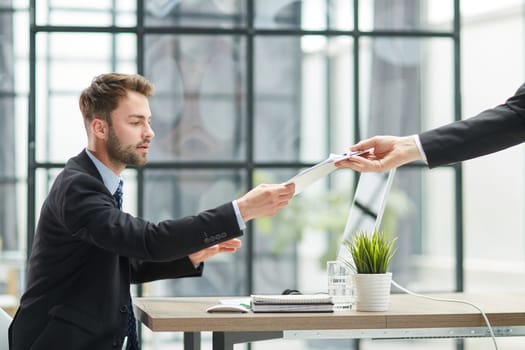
x: 115, y: 344
x: 123, y: 308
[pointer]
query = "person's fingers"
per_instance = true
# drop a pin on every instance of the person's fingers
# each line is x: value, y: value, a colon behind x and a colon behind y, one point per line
x: 364, y: 144
x: 232, y: 243
x: 363, y: 164
x: 227, y: 250
x: 214, y: 249
x: 202, y: 255
x: 290, y: 187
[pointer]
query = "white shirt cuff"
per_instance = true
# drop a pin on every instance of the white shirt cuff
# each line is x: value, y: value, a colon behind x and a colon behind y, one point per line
x: 240, y: 221
x: 420, y: 149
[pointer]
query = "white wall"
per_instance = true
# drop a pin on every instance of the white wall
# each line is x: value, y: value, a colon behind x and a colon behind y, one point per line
x: 492, y: 69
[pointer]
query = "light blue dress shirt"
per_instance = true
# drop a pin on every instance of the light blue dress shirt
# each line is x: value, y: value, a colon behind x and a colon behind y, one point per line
x: 110, y: 179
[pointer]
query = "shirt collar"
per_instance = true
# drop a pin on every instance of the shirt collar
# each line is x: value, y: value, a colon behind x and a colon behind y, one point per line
x: 109, y: 178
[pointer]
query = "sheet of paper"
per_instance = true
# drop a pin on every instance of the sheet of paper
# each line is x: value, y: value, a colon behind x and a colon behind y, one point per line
x: 308, y: 176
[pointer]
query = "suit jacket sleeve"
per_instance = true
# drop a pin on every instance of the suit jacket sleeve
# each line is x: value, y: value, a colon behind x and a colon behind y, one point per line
x: 89, y: 212
x: 490, y: 131
x: 147, y: 271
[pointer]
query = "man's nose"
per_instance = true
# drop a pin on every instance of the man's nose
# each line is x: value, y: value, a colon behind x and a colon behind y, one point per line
x: 149, y: 131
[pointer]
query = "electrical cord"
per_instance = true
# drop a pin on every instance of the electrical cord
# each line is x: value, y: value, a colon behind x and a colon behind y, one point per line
x: 394, y: 283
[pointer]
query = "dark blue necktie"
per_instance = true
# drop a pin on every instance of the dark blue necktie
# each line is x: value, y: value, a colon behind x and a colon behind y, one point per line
x: 133, y: 342
x: 118, y: 194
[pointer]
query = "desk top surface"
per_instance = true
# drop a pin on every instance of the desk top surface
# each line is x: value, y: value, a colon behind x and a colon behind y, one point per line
x: 188, y: 314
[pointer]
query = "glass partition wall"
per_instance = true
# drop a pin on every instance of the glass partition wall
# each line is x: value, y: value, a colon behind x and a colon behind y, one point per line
x: 249, y: 91
x: 14, y: 91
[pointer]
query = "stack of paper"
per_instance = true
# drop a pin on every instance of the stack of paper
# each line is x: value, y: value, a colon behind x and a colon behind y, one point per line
x: 308, y: 176
x: 292, y: 303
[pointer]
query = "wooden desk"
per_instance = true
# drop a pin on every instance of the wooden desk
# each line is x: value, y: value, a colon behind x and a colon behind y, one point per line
x: 407, y: 317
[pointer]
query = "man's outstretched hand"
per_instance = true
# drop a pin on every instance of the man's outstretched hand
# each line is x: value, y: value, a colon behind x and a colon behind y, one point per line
x: 265, y: 200
x: 229, y: 246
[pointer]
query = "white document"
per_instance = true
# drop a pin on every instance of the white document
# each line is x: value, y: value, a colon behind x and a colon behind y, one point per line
x: 308, y: 176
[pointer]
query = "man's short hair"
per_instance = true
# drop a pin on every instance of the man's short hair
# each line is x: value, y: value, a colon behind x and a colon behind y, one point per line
x: 102, y: 97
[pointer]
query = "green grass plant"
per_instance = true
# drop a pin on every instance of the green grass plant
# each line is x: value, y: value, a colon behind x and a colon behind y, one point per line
x: 371, y: 252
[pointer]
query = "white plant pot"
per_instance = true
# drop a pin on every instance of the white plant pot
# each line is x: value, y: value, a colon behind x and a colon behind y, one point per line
x: 372, y: 291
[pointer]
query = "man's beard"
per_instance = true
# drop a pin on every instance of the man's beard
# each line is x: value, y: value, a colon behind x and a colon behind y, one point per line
x: 127, y: 155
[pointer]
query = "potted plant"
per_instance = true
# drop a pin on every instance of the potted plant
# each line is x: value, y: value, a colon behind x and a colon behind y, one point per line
x: 371, y: 254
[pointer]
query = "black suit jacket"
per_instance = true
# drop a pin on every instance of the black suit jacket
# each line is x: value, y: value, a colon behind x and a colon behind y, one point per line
x: 85, y: 254
x: 490, y: 131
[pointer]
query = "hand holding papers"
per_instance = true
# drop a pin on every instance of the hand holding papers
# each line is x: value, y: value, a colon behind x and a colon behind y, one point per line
x: 308, y: 176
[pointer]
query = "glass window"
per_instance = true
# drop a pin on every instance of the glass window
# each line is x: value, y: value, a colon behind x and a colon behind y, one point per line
x: 9, y: 179
x: 86, y: 13
x: 199, y: 106
x: 172, y: 194
x: 13, y: 132
x: 435, y: 15
x: 406, y: 85
x: 304, y: 14
x: 303, y: 99
x: 14, y: 87
x: 66, y: 64
x: 299, y: 240
x: 188, y: 13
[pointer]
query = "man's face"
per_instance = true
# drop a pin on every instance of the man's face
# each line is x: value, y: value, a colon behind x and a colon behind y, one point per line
x: 130, y: 134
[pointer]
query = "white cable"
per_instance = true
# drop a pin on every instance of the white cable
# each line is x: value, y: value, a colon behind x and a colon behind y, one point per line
x: 452, y: 301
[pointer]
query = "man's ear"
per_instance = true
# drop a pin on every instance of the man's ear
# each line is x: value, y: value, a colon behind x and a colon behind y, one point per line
x: 99, y: 128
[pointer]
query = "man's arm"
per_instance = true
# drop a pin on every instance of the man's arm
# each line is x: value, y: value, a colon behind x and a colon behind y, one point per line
x: 190, y: 266
x: 490, y: 131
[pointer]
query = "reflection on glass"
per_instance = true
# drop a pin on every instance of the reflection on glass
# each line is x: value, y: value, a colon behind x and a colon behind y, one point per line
x: 86, y: 12
x: 8, y: 177
x: 434, y: 15
x: 174, y: 194
x: 190, y: 13
x: 199, y: 103
x: 368, y: 207
x: 14, y: 34
x: 8, y: 160
x: 304, y: 14
x: 407, y: 84
x: 66, y: 64
x: 302, y: 99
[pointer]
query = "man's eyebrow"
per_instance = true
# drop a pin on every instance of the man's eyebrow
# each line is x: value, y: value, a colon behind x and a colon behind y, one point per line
x: 139, y: 116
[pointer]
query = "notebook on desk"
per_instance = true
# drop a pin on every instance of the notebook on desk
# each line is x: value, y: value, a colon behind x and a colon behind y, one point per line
x: 291, y: 303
